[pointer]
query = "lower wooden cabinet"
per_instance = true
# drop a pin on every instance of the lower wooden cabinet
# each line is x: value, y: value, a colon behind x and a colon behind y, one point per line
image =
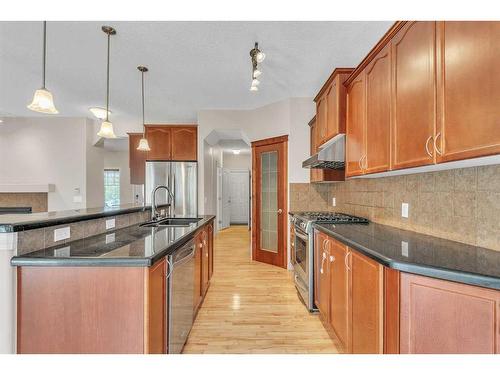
x: 198, y: 258
x: 205, y: 261
x: 440, y: 316
x: 203, y: 264
x: 321, y: 276
x: 210, y: 229
x: 156, y: 342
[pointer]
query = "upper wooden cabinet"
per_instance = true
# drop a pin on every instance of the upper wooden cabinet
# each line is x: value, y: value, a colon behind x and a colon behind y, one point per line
x: 378, y: 113
x: 137, y: 159
x: 330, y: 106
x: 184, y: 143
x: 160, y: 142
x: 413, y: 49
x: 356, y: 118
x: 172, y: 142
x: 468, y: 90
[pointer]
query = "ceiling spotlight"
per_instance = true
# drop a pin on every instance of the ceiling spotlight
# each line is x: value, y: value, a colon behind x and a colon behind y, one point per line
x: 260, y: 56
x: 254, y: 88
x: 256, y: 56
x: 255, y: 82
x: 256, y: 72
x: 99, y: 112
x: 236, y: 152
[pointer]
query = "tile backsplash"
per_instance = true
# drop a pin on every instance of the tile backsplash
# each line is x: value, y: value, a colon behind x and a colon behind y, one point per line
x: 461, y: 205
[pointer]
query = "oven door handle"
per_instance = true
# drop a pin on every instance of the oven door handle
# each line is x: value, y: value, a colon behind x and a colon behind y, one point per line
x: 305, y: 238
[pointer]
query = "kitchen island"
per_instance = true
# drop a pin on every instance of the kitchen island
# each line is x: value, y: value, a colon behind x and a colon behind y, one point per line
x: 107, y: 293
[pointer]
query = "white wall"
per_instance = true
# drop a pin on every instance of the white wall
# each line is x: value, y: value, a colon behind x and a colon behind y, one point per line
x: 241, y: 161
x: 289, y: 116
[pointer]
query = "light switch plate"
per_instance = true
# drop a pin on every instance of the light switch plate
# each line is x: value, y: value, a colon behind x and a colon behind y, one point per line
x: 110, y: 224
x: 404, y: 248
x: 61, y: 234
x: 405, y: 208
x: 334, y: 202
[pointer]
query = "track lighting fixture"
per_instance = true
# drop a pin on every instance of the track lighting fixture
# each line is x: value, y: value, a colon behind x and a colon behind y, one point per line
x: 257, y: 56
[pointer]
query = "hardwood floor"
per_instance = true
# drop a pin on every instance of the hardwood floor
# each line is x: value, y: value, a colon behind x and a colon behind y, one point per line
x: 253, y: 307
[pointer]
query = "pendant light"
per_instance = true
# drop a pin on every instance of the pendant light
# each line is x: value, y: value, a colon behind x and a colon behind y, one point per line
x: 143, y: 143
x: 43, y: 101
x: 106, y: 130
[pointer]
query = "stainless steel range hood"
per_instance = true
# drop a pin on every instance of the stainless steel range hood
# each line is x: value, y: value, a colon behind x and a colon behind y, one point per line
x: 330, y: 156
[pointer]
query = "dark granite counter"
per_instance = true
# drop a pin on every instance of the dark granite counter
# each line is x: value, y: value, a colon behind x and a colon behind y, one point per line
x: 20, y: 222
x: 419, y: 253
x: 132, y: 246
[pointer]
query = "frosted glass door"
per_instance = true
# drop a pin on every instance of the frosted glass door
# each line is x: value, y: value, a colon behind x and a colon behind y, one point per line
x: 269, y: 202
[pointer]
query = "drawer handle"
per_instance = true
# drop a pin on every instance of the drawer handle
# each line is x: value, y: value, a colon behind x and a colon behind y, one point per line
x: 427, y: 146
x: 435, y: 144
x: 345, y: 261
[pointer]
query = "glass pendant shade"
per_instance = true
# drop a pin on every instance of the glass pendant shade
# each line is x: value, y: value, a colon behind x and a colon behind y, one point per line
x: 143, y: 145
x: 106, y: 130
x: 260, y: 56
x: 43, y: 102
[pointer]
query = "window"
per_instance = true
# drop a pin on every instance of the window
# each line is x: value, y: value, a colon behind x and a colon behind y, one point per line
x: 111, y: 187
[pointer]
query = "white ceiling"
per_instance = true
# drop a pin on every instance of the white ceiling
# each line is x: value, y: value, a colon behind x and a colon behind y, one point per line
x: 193, y: 65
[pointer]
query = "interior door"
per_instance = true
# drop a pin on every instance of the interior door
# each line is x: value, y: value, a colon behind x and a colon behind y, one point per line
x: 239, y: 196
x: 226, y: 199
x: 269, y: 181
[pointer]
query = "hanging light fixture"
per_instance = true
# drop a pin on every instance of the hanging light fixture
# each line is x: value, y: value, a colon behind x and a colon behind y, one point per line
x: 43, y: 101
x: 106, y: 130
x: 143, y: 143
x: 257, y: 56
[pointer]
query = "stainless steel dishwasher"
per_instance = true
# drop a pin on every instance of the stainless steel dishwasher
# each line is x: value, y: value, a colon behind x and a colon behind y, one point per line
x: 180, y: 296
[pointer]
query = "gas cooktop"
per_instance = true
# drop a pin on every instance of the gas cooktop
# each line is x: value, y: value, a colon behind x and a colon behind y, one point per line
x: 305, y: 219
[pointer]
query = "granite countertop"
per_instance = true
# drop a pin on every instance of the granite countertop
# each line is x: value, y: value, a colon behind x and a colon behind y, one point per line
x: 419, y: 253
x: 20, y: 222
x: 131, y: 246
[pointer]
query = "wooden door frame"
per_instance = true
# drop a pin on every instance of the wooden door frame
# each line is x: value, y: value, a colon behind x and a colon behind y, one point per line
x: 282, y: 184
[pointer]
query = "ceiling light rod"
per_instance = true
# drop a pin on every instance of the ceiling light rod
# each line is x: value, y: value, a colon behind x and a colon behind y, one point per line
x: 143, y: 142
x: 44, y: 52
x: 106, y: 130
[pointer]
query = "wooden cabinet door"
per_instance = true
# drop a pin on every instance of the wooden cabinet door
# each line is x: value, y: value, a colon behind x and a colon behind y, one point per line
x: 332, y: 111
x: 321, y: 275
x: 440, y: 317
x: 355, y: 126
x: 156, y: 304
x: 160, y: 142
x: 321, y: 118
x: 339, y: 293
x: 197, y: 273
x: 413, y: 51
x: 137, y: 159
x: 205, y: 262
x: 366, y: 285
x: 184, y: 143
x: 210, y: 250
x: 469, y: 90
x: 378, y: 113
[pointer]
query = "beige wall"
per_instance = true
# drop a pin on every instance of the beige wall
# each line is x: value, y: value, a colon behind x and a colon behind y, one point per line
x: 119, y: 160
x: 461, y: 205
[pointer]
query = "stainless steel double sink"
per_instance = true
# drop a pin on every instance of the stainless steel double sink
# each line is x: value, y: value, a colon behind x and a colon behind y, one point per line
x: 170, y: 222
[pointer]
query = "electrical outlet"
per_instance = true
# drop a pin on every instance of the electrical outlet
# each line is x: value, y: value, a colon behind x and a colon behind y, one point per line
x: 405, y: 208
x: 110, y: 238
x: 404, y: 248
x: 110, y: 224
x: 334, y: 202
x: 61, y: 234
x: 63, y: 252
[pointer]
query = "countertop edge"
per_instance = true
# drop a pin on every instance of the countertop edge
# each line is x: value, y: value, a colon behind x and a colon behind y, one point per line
x: 417, y: 269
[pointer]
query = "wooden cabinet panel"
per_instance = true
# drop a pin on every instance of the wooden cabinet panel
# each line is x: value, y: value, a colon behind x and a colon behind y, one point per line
x: 413, y: 51
x: 440, y: 316
x: 205, y: 268
x: 355, y: 128
x: 197, y: 273
x: 137, y: 159
x: 160, y: 141
x: 211, y: 250
x: 366, y: 282
x: 469, y: 89
x: 378, y: 113
x: 321, y: 276
x: 339, y: 293
x: 184, y: 143
x: 156, y: 337
x: 332, y: 112
x: 321, y: 118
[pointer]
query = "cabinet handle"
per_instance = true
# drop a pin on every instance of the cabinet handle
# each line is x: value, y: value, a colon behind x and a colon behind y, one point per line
x: 322, y: 261
x: 435, y: 144
x: 427, y: 146
x: 365, y: 164
x: 359, y: 162
x: 345, y: 261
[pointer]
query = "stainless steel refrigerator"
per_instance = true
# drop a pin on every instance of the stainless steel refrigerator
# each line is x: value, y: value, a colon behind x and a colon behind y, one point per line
x: 182, y: 180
